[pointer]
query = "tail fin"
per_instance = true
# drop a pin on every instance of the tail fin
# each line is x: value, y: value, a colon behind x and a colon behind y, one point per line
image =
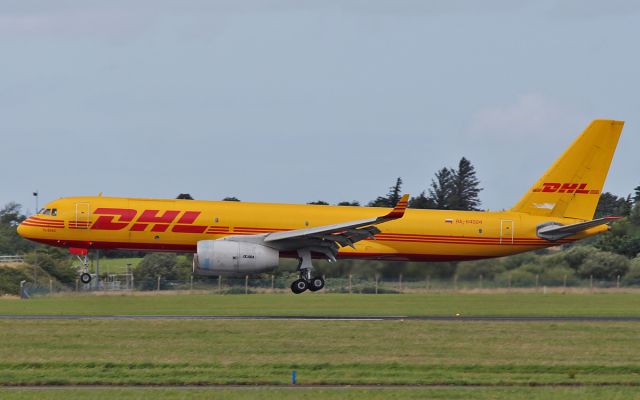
x: 571, y: 187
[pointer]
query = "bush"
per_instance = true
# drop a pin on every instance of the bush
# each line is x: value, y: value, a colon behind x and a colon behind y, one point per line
x: 57, y: 266
x: 556, y: 275
x: 519, y: 277
x: 471, y: 270
x: 10, y: 278
x: 604, y: 265
x: 632, y: 277
x: 577, y: 255
x: 168, y: 266
x: 517, y: 260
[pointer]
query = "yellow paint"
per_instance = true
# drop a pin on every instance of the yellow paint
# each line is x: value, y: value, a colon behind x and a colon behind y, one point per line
x: 419, y: 235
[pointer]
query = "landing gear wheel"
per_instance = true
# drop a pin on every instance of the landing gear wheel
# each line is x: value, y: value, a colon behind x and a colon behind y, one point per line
x: 85, y: 278
x: 316, y: 284
x: 299, y: 286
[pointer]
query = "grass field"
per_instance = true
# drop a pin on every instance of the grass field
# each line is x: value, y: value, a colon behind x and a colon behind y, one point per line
x: 533, y: 393
x: 466, y: 304
x: 501, y: 360
x: 115, y: 265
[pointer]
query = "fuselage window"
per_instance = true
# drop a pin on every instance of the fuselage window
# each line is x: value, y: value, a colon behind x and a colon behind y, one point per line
x: 54, y: 212
x: 47, y: 211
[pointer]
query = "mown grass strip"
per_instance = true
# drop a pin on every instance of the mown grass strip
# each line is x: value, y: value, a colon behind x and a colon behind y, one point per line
x: 318, y: 304
x: 109, y: 373
x: 449, y: 393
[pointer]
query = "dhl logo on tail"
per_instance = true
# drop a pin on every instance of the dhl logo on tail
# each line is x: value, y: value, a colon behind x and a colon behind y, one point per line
x: 577, y: 188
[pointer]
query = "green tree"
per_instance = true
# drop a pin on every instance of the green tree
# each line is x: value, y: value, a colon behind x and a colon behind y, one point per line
x: 623, y: 237
x: 392, y: 198
x: 441, y: 189
x: 10, y: 214
x: 421, y: 201
x: 10, y: 242
x: 353, y: 203
x: 184, y: 196
x: 611, y: 205
x: 634, y: 215
x: 319, y: 203
x: 231, y: 199
x: 465, y: 188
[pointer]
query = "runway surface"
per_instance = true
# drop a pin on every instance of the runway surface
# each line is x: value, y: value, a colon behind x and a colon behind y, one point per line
x: 329, y: 318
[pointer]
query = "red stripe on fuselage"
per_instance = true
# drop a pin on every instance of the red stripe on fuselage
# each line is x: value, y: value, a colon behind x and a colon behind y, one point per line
x: 39, y: 225
x: 192, y: 249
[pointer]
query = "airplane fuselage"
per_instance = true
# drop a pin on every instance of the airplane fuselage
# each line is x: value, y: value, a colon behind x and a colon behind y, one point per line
x: 177, y: 225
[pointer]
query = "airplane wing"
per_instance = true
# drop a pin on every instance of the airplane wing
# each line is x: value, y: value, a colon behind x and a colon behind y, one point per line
x: 329, y: 238
x: 352, y: 226
x: 554, y: 231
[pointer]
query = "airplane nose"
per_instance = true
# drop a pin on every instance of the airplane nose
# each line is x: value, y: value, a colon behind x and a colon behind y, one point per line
x: 22, y: 230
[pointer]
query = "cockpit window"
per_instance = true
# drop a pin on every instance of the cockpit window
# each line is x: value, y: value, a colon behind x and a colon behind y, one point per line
x: 49, y: 211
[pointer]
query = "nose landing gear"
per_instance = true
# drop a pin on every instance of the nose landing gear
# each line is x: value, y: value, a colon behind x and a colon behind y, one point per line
x: 85, y: 277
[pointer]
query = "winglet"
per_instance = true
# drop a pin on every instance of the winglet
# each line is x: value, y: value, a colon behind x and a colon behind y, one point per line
x: 399, y: 209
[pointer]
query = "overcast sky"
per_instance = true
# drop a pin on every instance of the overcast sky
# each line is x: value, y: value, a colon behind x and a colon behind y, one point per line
x: 295, y: 101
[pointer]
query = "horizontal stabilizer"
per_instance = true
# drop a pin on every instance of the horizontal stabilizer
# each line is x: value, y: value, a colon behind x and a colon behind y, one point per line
x: 553, y: 231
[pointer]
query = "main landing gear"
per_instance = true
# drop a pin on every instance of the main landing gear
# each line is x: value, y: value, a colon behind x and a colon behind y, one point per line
x: 306, y: 281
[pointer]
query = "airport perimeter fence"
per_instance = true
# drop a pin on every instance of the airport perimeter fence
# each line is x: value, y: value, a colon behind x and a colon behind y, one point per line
x: 350, y: 284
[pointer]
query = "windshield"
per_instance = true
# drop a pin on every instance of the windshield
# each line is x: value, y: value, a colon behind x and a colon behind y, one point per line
x: 49, y: 211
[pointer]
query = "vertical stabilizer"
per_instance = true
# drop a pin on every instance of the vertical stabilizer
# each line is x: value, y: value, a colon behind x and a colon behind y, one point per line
x: 571, y: 187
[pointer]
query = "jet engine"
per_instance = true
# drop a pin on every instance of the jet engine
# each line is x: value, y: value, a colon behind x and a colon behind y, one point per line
x: 227, y: 257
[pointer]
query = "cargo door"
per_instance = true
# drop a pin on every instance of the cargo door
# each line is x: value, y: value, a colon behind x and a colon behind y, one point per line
x: 506, y: 231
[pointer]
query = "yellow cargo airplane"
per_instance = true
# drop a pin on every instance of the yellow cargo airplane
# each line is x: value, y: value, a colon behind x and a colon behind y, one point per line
x: 245, y: 238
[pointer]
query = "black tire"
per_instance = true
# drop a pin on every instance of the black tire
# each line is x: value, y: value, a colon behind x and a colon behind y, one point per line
x: 85, y: 278
x: 299, y: 286
x: 316, y: 284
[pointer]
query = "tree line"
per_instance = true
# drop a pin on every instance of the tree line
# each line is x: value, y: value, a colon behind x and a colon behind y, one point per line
x: 450, y: 189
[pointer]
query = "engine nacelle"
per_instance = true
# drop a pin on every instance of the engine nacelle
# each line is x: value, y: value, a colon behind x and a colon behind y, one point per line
x: 227, y: 257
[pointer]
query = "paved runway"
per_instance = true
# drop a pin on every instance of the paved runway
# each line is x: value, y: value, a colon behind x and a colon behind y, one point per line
x: 330, y: 318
